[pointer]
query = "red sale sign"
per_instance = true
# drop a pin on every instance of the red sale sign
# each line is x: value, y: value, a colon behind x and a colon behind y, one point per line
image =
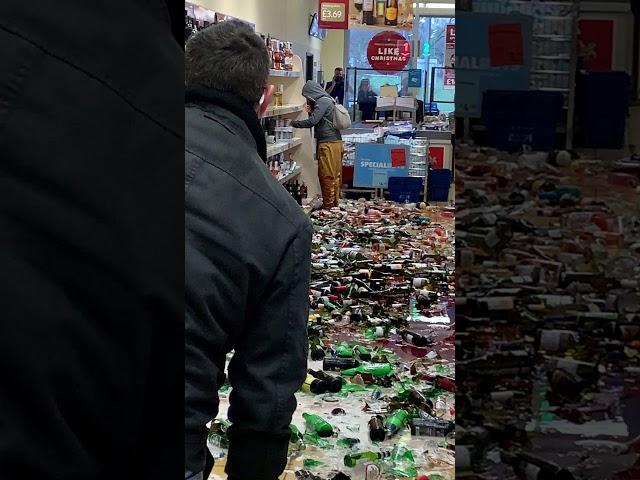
x: 389, y: 52
x: 436, y: 157
x: 398, y: 157
x: 333, y: 14
x: 450, y: 58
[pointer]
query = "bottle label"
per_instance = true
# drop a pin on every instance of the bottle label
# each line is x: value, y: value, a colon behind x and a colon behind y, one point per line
x: 392, y: 13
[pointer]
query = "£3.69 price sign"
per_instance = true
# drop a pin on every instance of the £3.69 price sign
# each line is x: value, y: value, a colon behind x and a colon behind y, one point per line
x: 333, y: 14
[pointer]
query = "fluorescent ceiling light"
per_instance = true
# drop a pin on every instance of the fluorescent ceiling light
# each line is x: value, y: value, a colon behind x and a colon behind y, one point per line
x: 438, y: 5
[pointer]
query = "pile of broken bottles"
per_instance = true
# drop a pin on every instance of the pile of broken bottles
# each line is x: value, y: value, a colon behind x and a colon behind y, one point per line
x: 548, y: 316
x: 381, y: 345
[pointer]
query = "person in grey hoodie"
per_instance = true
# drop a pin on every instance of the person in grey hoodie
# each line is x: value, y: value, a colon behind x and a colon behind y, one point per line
x: 330, y: 148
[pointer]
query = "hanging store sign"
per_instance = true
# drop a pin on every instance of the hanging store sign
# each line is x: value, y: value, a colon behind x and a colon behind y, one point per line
x: 389, y: 52
x: 333, y: 14
x: 450, y: 58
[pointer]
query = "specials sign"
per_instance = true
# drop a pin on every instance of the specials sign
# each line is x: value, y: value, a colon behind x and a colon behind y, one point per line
x: 389, y: 51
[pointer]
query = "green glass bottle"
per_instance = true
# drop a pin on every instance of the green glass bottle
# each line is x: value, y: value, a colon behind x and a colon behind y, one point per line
x: 362, y: 352
x: 318, y: 424
x: 344, y: 351
x: 376, y: 370
x: 352, y: 459
x: 397, y: 421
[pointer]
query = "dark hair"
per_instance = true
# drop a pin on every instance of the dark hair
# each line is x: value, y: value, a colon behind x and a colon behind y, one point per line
x: 228, y: 57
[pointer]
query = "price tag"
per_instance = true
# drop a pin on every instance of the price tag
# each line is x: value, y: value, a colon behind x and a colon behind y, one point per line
x: 333, y: 12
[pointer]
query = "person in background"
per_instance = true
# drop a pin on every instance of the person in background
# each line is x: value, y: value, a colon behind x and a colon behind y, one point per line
x: 330, y: 148
x: 335, y: 88
x: 367, y: 100
x: 247, y: 267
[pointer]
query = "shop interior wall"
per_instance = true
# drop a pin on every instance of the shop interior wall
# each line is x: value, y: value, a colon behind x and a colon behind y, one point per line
x: 332, y: 52
x: 284, y: 19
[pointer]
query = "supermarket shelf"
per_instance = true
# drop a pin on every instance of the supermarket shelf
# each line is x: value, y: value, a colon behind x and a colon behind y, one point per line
x: 555, y: 38
x: 284, y: 73
x: 283, y: 110
x: 551, y: 72
x: 281, y: 147
x: 552, y: 57
x: 296, y: 173
x: 551, y: 89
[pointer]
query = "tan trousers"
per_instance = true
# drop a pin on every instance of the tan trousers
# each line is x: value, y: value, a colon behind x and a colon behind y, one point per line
x: 330, y: 171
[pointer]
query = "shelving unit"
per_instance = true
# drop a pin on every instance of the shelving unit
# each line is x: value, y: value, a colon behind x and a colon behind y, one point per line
x: 282, y: 147
x: 293, y: 107
x: 273, y: 111
x: 292, y: 176
x: 285, y: 73
x: 554, y: 54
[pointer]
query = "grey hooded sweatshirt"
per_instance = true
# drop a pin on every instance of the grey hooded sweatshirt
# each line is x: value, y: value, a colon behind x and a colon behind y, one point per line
x: 322, y: 115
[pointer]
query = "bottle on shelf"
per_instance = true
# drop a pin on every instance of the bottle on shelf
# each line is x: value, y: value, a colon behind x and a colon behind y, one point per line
x: 269, y: 44
x: 368, y: 16
x: 380, y: 7
x: 277, y: 96
x: 391, y: 14
x: 304, y: 191
x: 275, y: 46
x: 288, y: 56
x: 358, y: 4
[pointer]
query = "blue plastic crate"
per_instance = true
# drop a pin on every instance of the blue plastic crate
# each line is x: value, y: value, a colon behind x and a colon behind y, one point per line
x: 517, y: 118
x: 439, y: 184
x: 405, y: 189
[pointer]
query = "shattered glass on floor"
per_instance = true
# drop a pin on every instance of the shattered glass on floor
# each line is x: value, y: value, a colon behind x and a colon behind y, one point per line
x: 380, y: 325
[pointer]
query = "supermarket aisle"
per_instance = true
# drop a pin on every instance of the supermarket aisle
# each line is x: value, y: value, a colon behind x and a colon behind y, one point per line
x: 381, y: 298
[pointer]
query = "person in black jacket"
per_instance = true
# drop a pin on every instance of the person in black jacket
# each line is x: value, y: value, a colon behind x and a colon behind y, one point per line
x: 247, y: 261
x: 367, y: 100
x: 91, y: 240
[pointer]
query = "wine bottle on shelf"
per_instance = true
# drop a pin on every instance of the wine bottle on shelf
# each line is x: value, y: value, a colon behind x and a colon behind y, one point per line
x: 269, y: 44
x: 275, y: 45
x: 368, y: 17
x: 391, y: 14
x: 380, y: 6
x: 288, y: 56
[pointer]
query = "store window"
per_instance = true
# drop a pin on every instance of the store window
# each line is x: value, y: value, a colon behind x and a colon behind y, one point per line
x: 359, y: 70
x: 436, y: 59
x: 429, y: 54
